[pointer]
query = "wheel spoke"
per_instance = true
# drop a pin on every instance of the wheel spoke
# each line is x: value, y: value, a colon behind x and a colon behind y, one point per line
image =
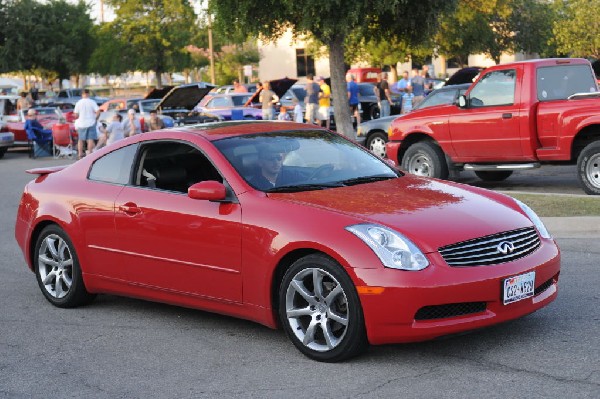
x: 337, y: 318
x: 62, y: 245
x: 68, y: 263
x: 67, y: 280
x: 301, y: 289
x: 335, y: 292
x: 49, y: 277
x: 50, y: 245
x: 299, y: 312
x: 330, y: 339
x: 58, y: 291
x: 309, y: 336
x: 47, y: 261
x: 318, y: 283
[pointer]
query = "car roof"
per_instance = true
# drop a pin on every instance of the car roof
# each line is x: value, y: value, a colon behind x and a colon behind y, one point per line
x: 220, y: 130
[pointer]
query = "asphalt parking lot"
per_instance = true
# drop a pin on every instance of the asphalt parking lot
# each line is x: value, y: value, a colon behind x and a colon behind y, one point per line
x: 126, y: 348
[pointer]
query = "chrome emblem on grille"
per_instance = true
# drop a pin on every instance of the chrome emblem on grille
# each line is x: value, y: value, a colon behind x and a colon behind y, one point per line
x: 506, y: 247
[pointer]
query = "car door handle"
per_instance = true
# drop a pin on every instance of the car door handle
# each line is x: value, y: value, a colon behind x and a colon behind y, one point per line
x: 130, y: 209
x: 507, y: 115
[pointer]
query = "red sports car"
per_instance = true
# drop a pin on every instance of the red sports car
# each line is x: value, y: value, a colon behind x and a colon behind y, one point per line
x: 287, y: 225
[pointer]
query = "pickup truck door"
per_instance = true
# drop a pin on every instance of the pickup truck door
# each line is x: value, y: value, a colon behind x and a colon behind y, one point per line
x: 488, y: 128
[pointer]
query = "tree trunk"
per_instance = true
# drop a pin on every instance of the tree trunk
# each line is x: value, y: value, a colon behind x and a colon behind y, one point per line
x: 158, y: 79
x: 339, y: 92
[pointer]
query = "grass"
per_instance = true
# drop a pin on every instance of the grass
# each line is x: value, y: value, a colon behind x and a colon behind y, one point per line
x: 560, y: 205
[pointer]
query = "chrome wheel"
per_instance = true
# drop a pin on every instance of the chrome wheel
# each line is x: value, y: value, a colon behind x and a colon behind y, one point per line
x: 55, y: 265
x: 377, y: 145
x: 592, y: 170
x: 316, y: 308
x: 427, y: 159
x: 420, y: 165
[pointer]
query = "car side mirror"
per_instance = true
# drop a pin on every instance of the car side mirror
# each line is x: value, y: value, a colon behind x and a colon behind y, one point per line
x: 462, y: 101
x: 208, y: 190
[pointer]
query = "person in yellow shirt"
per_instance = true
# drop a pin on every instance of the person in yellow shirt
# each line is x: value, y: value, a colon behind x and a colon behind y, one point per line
x: 324, y: 102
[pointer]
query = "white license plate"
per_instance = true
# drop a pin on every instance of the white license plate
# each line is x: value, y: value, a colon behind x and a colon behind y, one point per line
x: 5, y: 138
x: 519, y: 287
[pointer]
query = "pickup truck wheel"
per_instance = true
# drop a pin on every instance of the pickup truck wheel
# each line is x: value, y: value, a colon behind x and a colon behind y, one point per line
x: 425, y: 159
x: 588, y: 168
x: 488, y: 175
x: 376, y: 144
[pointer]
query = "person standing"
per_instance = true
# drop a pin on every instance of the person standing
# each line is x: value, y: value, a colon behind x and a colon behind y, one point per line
x: 298, y: 112
x: 418, y: 85
x: 324, y: 102
x: 403, y: 83
x: 22, y: 103
x: 239, y: 88
x: 352, y: 89
x: 154, y: 123
x: 132, y: 125
x: 268, y: 99
x: 86, y: 113
x: 407, y: 100
x: 312, y: 99
x: 384, y: 96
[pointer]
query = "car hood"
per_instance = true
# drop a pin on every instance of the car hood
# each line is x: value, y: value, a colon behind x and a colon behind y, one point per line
x: 157, y: 93
x: 185, y: 97
x: 278, y: 86
x: 430, y: 212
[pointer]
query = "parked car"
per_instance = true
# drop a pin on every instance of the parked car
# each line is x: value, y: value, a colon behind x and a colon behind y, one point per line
x: 328, y: 251
x: 226, y: 89
x: 73, y: 95
x: 7, y: 140
x: 514, y: 116
x: 225, y: 105
x: 180, y: 102
x: 373, y: 134
x: 369, y: 104
x: 119, y: 103
x: 47, y: 116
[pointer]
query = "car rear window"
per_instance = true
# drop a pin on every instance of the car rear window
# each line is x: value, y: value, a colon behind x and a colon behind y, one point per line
x: 558, y: 82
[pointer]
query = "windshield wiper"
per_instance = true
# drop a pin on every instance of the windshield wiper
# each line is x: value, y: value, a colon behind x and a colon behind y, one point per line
x: 302, y: 187
x: 366, y: 179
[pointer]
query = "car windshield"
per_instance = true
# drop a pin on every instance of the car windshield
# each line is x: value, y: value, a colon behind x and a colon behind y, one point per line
x: 149, y: 105
x: 292, y: 161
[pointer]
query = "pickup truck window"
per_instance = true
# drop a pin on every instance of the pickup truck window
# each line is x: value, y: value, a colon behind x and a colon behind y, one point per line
x: 560, y: 81
x: 494, y: 88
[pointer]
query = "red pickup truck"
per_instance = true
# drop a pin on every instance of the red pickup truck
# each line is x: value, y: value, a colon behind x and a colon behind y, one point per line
x: 514, y: 116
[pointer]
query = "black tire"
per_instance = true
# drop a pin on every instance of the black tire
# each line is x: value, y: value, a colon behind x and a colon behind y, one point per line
x: 57, y: 269
x: 376, y: 143
x: 425, y: 158
x: 493, y: 175
x: 3, y: 151
x: 588, y: 168
x: 374, y: 112
x: 310, y: 316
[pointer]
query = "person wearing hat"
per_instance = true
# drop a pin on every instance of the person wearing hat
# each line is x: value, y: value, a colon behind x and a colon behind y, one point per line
x: 86, y: 113
x: 324, y: 102
x: 131, y: 125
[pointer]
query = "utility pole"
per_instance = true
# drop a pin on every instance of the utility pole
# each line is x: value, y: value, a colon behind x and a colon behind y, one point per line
x: 102, y: 11
x: 210, y: 49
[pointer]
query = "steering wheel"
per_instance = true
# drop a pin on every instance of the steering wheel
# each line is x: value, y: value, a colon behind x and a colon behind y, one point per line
x: 321, y: 171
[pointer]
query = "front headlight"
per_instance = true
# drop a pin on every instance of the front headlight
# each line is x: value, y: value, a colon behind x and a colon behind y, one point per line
x: 537, y: 222
x: 393, y: 249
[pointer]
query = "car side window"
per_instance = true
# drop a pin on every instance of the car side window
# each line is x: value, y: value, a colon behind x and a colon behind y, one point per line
x: 494, y: 88
x: 115, y: 167
x: 173, y: 166
x: 218, y: 102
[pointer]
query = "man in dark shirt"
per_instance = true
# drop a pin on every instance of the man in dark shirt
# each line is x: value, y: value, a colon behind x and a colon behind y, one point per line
x: 312, y: 99
x: 383, y: 96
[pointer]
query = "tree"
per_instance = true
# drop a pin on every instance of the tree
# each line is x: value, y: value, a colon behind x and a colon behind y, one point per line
x: 577, y: 28
x: 157, y: 32
x: 330, y: 22
x: 532, y: 22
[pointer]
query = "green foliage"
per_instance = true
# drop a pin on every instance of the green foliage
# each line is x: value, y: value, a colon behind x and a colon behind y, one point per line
x: 577, y: 28
x: 156, y: 32
x: 53, y: 35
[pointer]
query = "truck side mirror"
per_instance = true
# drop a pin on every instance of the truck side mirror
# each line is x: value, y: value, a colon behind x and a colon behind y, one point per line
x: 462, y: 101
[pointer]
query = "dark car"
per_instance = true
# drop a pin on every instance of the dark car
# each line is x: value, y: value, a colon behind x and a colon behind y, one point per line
x: 369, y: 104
x: 373, y: 134
x: 180, y: 102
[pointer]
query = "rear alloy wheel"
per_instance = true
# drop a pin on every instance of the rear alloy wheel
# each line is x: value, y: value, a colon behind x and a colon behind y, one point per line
x: 376, y: 144
x: 493, y: 175
x: 57, y: 269
x: 320, y: 310
x: 425, y: 158
x: 588, y: 168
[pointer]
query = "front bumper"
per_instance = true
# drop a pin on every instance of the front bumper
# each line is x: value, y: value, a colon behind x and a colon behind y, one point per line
x: 394, y: 316
x: 392, y: 149
x: 7, y: 139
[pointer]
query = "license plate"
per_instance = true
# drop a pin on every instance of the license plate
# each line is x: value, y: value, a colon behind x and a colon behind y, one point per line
x: 5, y: 138
x: 518, y: 287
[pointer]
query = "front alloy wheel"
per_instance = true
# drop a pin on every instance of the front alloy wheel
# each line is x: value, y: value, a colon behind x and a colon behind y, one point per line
x: 588, y: 168
x: 376, y: 144
x: 320, y: 310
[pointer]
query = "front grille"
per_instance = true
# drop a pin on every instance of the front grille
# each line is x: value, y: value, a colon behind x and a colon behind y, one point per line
x: 543, y: 287
x: 488, y: 250
x: 449, y: 310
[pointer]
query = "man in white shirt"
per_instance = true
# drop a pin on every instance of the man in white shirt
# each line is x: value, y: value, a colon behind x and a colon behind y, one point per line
x: 86, y: 111
x: 132, y: 125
